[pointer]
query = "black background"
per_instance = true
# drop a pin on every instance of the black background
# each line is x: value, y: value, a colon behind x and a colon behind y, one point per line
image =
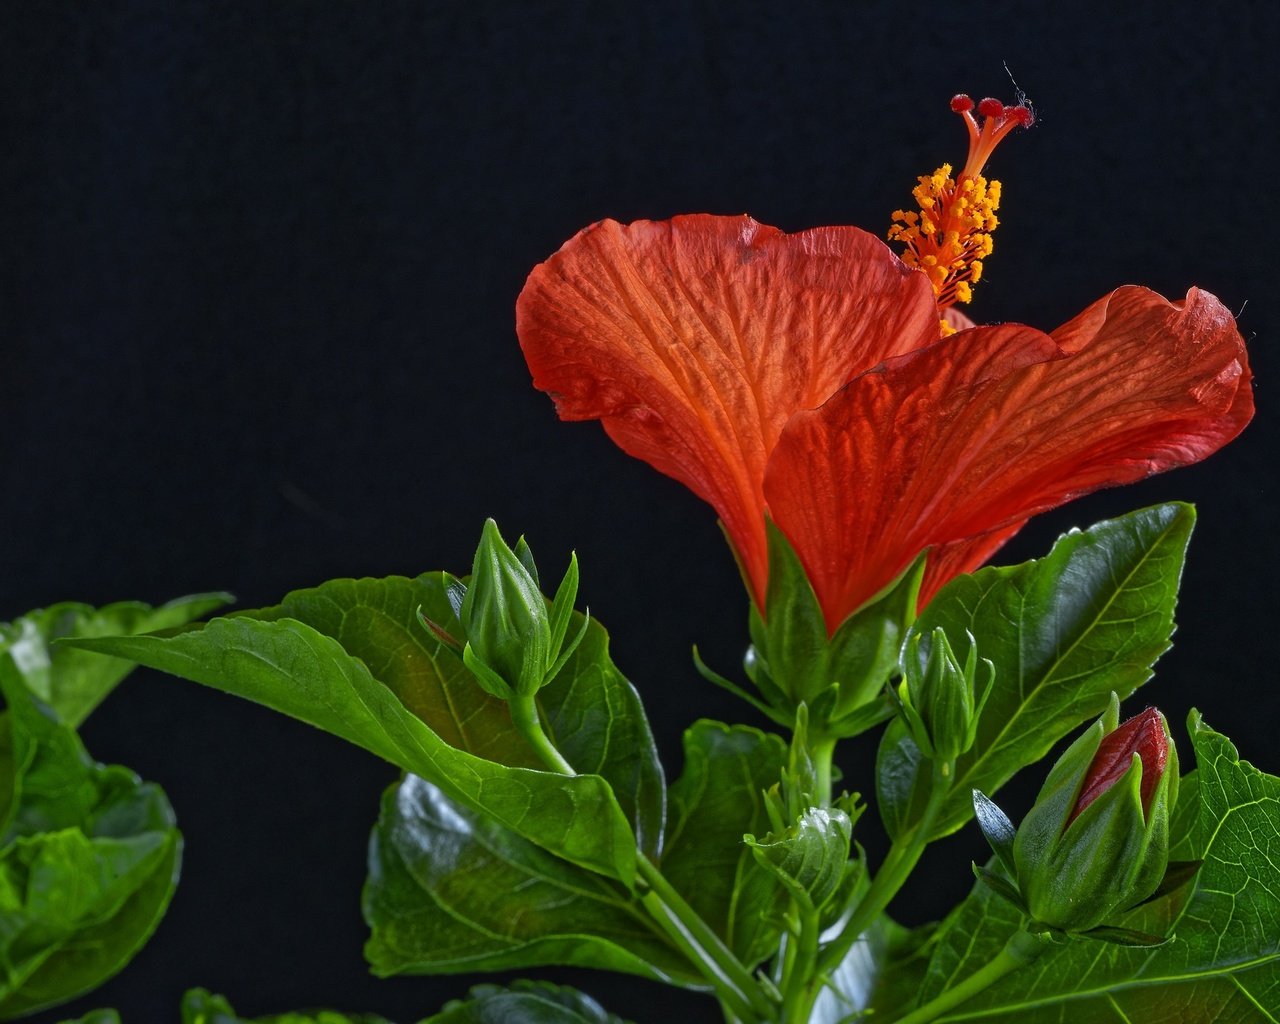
x: 260, y: 265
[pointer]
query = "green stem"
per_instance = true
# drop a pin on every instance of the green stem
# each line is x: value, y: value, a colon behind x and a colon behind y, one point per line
x: 738, y: 992
x: 822, y: 751
x: 524, y: 716
x: 798, y: 989
x: 901, y: 860
x: 733, y: 983
x: 1022, y: 948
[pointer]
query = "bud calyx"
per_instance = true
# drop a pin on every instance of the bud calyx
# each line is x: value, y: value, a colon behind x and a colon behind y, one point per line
x: 1097, y: 840
x: 938, y: 698
x: 515, y: 641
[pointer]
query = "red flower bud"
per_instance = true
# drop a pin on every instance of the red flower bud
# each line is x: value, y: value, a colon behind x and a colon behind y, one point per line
x: 1144, y: 735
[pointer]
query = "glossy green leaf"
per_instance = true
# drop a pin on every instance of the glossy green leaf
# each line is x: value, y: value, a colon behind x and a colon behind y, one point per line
x: 525, y: 1002
x: 291, y: 667
x: 592, y: 713
x: 202, y: 1007
x: 902, y: 780
x: 351, y: 657
x: 88, y: 860
x: 716, y: 800
x: 1223, y: 964
x: 451, y: 891
x: 96, y: 1017
x: 596, y: 720
x: 73, y: 682
x: 1063, y: 632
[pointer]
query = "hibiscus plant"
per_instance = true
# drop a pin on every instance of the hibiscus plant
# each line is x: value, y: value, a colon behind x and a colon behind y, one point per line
x: 867, y: 449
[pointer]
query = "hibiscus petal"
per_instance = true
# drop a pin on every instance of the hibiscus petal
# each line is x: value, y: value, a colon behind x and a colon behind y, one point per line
x: 964, y: 440
x: 948, y: 560
x: 694, y: 340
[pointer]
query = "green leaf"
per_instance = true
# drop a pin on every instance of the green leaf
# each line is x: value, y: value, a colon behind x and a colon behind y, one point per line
x: 202, y: 1007
x: 74, y: 682
x: 1223, y: 963
x: 88, y: 862
x: 451, y: 891
x: 902, y: 780
x: 811, y: 856
x: 714, y: 803
x: 350, y: 657
x: 96, y: 1017
x: 1063, y: 632
x: 595, y: 718
x: 590, y: 710
x: 525, y: 1002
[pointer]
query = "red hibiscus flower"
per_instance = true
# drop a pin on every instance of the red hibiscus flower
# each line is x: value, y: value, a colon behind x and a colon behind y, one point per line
x: 801, y: 377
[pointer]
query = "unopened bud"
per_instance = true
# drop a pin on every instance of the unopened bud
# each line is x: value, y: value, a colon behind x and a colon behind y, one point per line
x: 1097, y: 840
x: 514, y: 642
x: 938, y: 697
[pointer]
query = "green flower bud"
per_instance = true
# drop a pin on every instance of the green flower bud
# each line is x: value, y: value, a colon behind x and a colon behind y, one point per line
x: 1097, y: 840
x: 938, y: 698
x: 515, y: 643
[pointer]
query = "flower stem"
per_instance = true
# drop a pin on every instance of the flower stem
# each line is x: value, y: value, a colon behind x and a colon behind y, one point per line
x: 524, y: 716
x: 734, y: 985
x: 1022, y: 948
x: 798, y: 988
x: 901, y: 860
x: 822, y: 752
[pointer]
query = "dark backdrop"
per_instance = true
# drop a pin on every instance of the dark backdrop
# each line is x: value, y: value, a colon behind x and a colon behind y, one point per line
x: 261, y: 260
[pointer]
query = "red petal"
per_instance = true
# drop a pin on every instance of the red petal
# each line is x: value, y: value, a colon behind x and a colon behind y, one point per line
x: 694, y: 340
x: 1144, y: 734
x: 958, y: 556
x: 966, y: 439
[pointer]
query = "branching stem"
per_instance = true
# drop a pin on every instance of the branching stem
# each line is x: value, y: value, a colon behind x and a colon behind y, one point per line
x: 901, y: 860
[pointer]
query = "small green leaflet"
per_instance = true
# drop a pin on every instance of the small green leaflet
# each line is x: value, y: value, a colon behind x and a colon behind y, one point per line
x: 811, y: 857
